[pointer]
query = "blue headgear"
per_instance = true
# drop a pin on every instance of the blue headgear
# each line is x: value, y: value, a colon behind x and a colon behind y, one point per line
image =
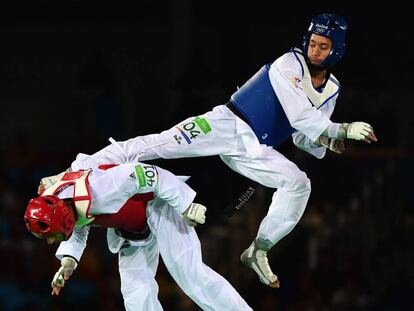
x: 332, y: 27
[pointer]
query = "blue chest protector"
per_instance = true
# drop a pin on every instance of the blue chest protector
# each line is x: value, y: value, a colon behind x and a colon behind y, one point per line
x: 257, y: 102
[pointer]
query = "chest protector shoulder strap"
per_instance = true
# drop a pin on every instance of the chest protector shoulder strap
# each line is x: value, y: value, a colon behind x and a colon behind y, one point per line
x: 81, y: 193
x: 318, y: 99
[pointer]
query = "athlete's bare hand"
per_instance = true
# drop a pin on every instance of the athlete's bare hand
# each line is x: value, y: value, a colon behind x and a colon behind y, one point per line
x: 56, y: 290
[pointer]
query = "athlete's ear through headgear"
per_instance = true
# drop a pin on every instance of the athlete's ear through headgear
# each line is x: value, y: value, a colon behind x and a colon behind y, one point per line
x: 48, y: 215
x: 332, y: 27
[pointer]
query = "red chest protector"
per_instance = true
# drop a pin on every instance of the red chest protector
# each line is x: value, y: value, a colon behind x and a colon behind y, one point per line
x: 131, y: 217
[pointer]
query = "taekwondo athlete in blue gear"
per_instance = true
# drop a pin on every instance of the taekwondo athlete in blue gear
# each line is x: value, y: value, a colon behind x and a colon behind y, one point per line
x: 294, y: 96
x: 257, y: 101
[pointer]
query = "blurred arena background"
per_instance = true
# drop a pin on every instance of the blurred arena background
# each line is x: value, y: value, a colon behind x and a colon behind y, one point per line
x: 74, y: 73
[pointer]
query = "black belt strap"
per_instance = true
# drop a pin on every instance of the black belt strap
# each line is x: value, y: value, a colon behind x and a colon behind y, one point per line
x: 134, y: 236
x: 236, y: 111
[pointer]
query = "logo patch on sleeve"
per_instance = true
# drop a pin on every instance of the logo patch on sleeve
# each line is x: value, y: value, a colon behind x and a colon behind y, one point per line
x: 147, y: 177
x: 191, y: 130
x: 203, y: 125
x: 297, y: 82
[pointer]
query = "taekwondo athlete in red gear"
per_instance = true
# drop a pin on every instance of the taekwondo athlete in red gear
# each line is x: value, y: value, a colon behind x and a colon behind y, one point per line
x: 147, y: 211
x: 294, y: 96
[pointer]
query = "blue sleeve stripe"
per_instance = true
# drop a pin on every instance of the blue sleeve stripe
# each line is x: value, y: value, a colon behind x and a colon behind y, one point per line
x: 300, y: 63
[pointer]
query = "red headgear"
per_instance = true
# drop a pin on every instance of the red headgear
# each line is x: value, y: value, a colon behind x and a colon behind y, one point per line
x: 47, y: 215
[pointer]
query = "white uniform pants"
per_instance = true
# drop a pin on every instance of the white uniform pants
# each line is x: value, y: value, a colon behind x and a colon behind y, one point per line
x: 180, y: 250
x: 231, y: 138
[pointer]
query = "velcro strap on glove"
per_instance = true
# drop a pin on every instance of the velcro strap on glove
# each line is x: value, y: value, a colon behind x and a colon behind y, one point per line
x: 69, y: 265
x: 331, y: 144
x: 195, y: 213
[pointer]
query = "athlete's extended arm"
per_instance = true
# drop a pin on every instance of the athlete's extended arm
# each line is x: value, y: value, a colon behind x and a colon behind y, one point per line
x: 171, y: 189
x: 69, y: 252
x: 302, y: 115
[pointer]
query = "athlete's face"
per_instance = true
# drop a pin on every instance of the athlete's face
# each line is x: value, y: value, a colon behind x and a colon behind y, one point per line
x: 319, y: 48
x: 55, y: 238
